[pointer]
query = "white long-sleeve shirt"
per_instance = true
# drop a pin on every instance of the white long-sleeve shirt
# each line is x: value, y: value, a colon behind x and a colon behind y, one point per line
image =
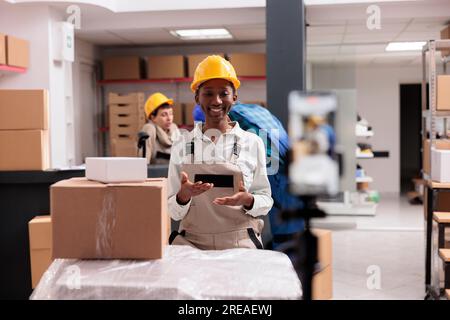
x: 251, y: 161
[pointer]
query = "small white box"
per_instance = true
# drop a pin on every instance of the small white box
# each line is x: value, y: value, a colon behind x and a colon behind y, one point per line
x: 116, y: 169
x: 440, y: 165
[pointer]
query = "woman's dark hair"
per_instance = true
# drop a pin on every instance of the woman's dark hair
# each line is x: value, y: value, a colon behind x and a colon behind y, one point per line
x: 164, y: 105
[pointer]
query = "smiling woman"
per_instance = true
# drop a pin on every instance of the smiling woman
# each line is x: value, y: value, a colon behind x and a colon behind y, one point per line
x: 217, y: 215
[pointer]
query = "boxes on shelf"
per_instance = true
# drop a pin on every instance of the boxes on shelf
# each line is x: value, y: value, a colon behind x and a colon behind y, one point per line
x: 439, y: 144
x: 117, y: 118
x: 248, y: 64
x: 17, y: 52
x: 443, y: 93
x: 195, y: 59
x: 126, y: 119
x: 24, y: 150
x: 129, y: 131
x: 125, y: 99
x: 123, y: 68
x: 124, y: 147
x: 115, y: 170
x: 40, y: 235
x: 92, y: 220
x: 160, y: 67
x: 2, y: 48
x: 23, y: 109
x: 440, y: 165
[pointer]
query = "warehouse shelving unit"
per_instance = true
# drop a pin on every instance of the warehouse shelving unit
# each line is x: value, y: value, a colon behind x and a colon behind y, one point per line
x: 432, y: 114
x: 432, y: 189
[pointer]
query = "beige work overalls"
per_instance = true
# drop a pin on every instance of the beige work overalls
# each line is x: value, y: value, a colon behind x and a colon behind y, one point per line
x: 208, y: 226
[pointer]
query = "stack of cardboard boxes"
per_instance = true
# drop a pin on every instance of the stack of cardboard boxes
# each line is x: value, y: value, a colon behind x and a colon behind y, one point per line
x: 24, y: 130
x: 94, y: 220
x: 126, y: 119
x: 14, y: 51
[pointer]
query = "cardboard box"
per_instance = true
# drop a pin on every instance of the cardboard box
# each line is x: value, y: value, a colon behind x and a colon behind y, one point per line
x: 40, y: 233
x: 2, y: 48
x: 131, y: 98
x: 440, y: 165
x: 439, y: 144
x: 125, y: 131
x: 249, y: 64
x: 126, y: 110
x: 92, y: 220
x: 325, y: 248
x: 188, y: 113
x: 124, y: 147
x: 323, y: 284
x: 445, y: 35
x: 116, y: 169
x: 17, y: 52
x: 24, y: 150
x: 126, y: 119
x: 122, y: 68
x: 23, y: 109
x: 443, y: 93
x: 160, y: 67
x: 195, y: 59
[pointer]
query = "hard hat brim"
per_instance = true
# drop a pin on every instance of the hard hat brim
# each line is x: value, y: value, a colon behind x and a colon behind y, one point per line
x: 236, y: 83
x: 149, y: 112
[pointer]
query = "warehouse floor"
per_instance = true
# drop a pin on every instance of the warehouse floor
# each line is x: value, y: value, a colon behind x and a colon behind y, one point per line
x: 387, y: 249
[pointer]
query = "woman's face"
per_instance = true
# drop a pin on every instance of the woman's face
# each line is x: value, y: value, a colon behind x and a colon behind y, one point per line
x: 164, y: 117
x: 216, y: 98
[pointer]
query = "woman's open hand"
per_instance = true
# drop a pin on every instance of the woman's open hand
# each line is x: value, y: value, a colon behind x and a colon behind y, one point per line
x: 191, y: 189
x: 241, y: 198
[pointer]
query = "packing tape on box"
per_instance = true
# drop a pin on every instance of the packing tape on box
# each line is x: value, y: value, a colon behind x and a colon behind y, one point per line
x: 105, y: 225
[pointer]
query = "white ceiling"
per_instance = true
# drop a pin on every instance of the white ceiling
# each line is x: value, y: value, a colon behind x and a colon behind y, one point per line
x: 336, y: 33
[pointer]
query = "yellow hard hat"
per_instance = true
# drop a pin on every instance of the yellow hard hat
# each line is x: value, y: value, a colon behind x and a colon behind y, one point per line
x: 214, y: 67
x: 154, y: 101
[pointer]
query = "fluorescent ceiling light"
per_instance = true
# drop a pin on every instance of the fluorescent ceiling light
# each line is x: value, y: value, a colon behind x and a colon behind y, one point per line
x: 199, y: 34
x: 405, y: 46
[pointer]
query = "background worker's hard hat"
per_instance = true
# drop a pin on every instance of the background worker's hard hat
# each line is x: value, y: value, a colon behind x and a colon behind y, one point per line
x: 154, y: 101
x: 214, y: 67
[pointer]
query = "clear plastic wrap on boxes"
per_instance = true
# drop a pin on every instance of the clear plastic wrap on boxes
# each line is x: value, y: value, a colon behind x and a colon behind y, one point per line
x: 183, y: 273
